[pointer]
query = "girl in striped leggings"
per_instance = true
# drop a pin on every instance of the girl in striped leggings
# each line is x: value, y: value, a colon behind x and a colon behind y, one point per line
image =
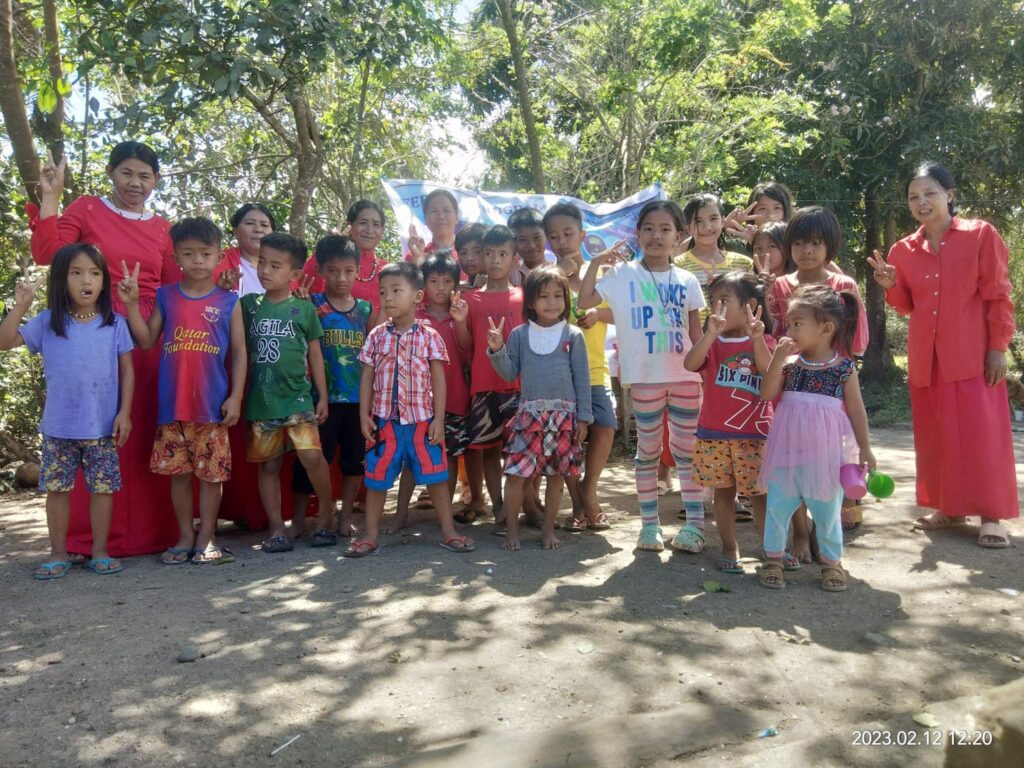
x: 656, y: 307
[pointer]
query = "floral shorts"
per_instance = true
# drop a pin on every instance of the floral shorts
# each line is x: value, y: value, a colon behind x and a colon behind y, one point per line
x: 62, y: 458
x: 272, y: 438
x: 727, y: 463
x: 182, y: 448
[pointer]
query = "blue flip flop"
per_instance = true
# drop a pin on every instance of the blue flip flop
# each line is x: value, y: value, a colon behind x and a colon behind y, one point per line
x: 175, y: 551
x: 51, y: 570
x: 106, y: 570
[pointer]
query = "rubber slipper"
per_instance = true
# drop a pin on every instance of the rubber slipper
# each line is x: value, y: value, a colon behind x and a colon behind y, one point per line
x: 993, y: 531
x: 725, y: 565
x: 51, y: 570
x: 790, y: 562
x: 203, y: 556
x: 360, y: 549
x: 599, y: 523
x: 324, y: 538
x: 174, y: 552
x: 575, y: 524
x: 467, y: 544
x: 938, y: 522
x: 277, y: 544
x: 94, y: 566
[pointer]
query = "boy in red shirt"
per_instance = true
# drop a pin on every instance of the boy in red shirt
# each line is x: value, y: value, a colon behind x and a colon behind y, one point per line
x: 493, y: 400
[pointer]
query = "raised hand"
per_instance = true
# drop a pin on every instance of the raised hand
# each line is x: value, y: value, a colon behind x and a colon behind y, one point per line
x: 767, y: 278
x: 495, y: 337
x: 716, y: 320
x: 786, y: 348
x: 885, y: 274
x: 742, y: 223
x: 25, y: 290
x: 128, y: 288
x: 228, y: 279
x: 610, y: 256
x: 417, y: 245
x: 754, y: 325
x: 51, y: 176
x: 459, y: 309
x: 302, y: 290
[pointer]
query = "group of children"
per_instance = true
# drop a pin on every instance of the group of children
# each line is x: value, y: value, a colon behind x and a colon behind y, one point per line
x: 484, y: 353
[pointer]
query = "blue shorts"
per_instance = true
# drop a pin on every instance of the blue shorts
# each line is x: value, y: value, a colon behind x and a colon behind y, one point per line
x: 401, y: 446
x: 601, y: 405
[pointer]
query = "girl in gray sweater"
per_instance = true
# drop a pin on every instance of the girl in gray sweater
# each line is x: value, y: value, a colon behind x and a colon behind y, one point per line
x: 548, y: 430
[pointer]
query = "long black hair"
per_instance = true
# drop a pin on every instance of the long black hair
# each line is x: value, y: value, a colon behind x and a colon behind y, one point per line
x: 59, y: 302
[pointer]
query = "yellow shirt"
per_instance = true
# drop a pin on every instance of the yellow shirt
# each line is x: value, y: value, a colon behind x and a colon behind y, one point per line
x: 705, y: 272
x: 594, y: 338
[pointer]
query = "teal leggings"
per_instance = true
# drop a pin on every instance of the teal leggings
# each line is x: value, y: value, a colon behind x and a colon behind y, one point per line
x: 827, y: 516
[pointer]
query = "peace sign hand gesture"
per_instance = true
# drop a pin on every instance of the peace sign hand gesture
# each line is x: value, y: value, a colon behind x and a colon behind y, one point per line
x: 51, y: 176
x: 716, y: 320
x: 459, y: 310
x: 128, y: 288
x: 302, y: 290
x: 25, y: 290
x: 609, y: 256
x: 885, y: 274
x: 495, y: 337
x: 767, y: 278
x: 754, y: 325
x: 739, y: 224
x: 417, y: 245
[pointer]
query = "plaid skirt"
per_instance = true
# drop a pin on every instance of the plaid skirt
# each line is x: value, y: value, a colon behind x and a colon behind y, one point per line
x: 541, y: 443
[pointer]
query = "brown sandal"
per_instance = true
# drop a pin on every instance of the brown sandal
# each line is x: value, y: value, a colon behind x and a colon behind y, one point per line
x: 833, y: 578
x: 771, y: 575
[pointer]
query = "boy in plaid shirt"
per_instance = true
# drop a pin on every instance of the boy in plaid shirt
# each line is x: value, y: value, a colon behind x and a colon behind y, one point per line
x: 401, y: 390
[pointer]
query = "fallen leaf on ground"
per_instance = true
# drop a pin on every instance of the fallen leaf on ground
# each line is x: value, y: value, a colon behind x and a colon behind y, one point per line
x: 927, y: 719
x: 585, y: 648
x: 714, y: 586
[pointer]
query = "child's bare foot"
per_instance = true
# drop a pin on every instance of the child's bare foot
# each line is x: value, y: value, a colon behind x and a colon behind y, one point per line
x: 802, y: 549
x: 399, y: 524
x: 511, y: 544
x: 345, y: 527
x: 296, y: 529
x: 550, y: 541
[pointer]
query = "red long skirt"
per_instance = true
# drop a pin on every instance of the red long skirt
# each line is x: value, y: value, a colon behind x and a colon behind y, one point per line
x: 964, y: 447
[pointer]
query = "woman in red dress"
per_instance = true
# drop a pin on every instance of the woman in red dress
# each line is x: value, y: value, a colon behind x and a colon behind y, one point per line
x: 951, y: 277
x: 237, y: 268
x: 124, y: 231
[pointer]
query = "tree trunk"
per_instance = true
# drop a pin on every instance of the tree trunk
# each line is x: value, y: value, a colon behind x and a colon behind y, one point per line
x: 12, y: 105
x: 50, y: 128
x: 878, y: 357
x: 309, y: 161
x: 523, y: 92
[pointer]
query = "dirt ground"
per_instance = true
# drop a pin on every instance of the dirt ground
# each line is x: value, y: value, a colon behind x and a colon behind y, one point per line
x: 594, y: 655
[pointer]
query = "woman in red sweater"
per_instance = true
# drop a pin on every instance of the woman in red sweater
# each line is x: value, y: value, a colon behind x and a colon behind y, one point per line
x: 125, y: 231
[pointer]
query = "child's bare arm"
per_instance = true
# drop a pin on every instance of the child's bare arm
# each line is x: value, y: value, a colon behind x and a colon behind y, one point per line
x: 319, y: 375
x: 123, y: 421
x: 858, y: 419
x: 589, y: 296
x: 693, y: 325
x: 231, y: 410
x: 439, y: 389
x: 365, y: 401
x: 24, y: 294
x: 771, y: 382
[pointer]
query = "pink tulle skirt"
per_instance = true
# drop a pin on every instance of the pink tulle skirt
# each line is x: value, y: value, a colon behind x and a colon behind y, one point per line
x: 810, y: 439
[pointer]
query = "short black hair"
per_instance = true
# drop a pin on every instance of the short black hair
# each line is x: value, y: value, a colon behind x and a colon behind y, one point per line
x: 197, y: 228
x: 441, y: 263
x: 134, y: 150
x: 405, y: 270
x: 941, y: 175
x: 499, y: 234
x: 535, y: 282
x: 361, y: 205
x: 814, y: 222
x: 440, y: 193
x: 568, y: 210
x: 525, y: 218
x: 245, y: 210
x: 335, y: 247
x: 471, y: 233
x: 295, y: 248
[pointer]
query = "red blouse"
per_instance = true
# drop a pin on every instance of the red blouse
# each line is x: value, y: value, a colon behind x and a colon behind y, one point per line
x: 782, y: 291
x: 88, y: 219
x: 958, y: 300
